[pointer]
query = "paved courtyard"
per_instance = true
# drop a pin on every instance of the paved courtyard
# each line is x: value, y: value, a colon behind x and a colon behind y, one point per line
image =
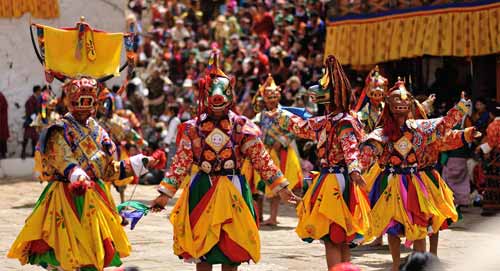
x: 471, y: 244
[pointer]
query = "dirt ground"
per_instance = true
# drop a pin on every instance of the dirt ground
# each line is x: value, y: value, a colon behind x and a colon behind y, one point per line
x: 470, y: 244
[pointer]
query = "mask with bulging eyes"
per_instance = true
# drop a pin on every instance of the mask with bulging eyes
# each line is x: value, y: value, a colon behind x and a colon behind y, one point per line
x: 82, y: 97
x: 220, y: 94
x: 399, y: 99
x: 376, y: 85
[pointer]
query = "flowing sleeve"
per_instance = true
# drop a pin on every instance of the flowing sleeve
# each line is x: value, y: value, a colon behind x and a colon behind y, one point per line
x: 350, y: 146
x: 181, y: 164
x: 254, y: 149
x: 297, y: 126
x: 455, y: 139
x: 433, y: 129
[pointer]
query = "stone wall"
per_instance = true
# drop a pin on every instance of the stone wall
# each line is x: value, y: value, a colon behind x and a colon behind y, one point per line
x: 19, y: 67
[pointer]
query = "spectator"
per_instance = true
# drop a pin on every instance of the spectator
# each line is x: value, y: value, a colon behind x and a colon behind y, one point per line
x: 171, y: 120
x: 179, y: 31
x: 31, y: 108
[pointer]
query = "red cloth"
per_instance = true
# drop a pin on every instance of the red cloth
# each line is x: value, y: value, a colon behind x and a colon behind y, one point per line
x: 232, y: 250
x: 39, y: 246
x: 4, y: 120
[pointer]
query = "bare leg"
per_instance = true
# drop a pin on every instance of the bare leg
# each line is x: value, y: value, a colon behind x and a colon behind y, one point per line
x: 346, y: 253
x: 226, y: 267
x: 433, y: 243
x: 333, y: 254
x: 394, y: 243
x: 203, y: 267
x: 273, y: 218
x: 260, y: 207
x: 419, y: 245
x: 122, y: 195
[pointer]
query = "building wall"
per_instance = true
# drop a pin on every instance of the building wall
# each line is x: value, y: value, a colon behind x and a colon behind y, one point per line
x: 19, y: 67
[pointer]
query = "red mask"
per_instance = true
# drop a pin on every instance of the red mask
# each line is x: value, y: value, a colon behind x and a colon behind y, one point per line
x: 82, y: 97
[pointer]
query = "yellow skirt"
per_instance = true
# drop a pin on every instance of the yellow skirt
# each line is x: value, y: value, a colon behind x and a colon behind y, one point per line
x: 221, y: 212
x: 291, y: 168
x: 370, y: 176
x: 95, y: 238
x: 402, y: 205
x: 333, y: 200
x: 441, y: 195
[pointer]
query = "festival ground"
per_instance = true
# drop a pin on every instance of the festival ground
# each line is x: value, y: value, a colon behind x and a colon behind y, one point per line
x: 472, y: 244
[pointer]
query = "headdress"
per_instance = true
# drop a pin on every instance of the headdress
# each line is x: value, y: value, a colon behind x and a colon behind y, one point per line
x: 334, y: 87
x: 268, y: 91
x: 81, y: 57
x: 375, y: 88
x: 215, y: 88
x: 375, y: 84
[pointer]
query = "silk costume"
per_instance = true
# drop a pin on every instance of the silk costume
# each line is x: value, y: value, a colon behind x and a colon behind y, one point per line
x: 214, y: 220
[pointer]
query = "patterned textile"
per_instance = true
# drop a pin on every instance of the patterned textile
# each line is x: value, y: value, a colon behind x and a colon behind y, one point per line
x: 401, y: 201
x: 368, y: 116
x: 222, y: 146
x: 340, y: 215
x: 337, y: 137
x: 454, y: 29
x: 214, y: 219
x: 67, y: 230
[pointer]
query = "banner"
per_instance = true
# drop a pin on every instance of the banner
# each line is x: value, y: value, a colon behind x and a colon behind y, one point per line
x: 457, y: 29
x: 73, y: 52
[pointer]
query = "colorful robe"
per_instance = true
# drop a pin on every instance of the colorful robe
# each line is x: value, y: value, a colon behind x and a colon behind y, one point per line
x: 214, y: 220
x: 369, y: 117
x: 120, y: 130
x: 400, y: 201
x: 324, y: 214
x: 69, y: 231
x: 439, y: 191
x: 286, y: 158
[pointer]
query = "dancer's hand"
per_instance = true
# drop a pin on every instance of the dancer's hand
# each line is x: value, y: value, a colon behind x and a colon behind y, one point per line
x: 289, y: 196
x: 357, y: 179
x: 159, y: 203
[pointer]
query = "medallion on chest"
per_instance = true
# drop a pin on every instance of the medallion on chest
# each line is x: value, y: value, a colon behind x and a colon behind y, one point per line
x: 403, y: 146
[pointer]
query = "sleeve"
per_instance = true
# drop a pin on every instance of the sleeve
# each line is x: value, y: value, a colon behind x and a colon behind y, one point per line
x: 434, y: 129
x: 117, y: 170
x: 455, y: 139
x: 492, y: 137
x: 350, y: 146
x: 297, y: 126
x: 181, y: 165
x: 254, y: 149
x: 59, y: 153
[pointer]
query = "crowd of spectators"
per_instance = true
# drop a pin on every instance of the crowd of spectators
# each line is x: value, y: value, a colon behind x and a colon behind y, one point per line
x: 174, y: 39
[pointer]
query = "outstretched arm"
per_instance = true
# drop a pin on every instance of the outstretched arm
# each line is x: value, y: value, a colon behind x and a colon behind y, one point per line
x: 297, y: 126
x: 181, y: 165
